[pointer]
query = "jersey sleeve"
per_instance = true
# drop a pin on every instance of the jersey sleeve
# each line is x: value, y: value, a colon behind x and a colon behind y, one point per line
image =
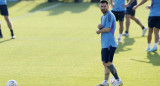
x: 108, y: 21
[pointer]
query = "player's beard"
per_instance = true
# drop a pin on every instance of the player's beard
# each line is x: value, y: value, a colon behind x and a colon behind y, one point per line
x: 104, y: 11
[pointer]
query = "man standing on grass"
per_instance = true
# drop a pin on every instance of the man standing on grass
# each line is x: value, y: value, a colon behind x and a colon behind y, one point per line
x: 108, y: 43
x: 153, y: 23
x: 4, y: 12
x: 118, y: 9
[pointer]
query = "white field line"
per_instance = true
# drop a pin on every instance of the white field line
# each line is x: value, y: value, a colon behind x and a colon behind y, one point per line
x: 31, y: 13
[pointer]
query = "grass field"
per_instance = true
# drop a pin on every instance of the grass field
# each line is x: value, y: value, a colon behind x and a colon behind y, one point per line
x: 59, y: 47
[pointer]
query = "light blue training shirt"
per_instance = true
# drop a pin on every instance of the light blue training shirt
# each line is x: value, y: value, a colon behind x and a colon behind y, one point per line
x: 118, y: 5
x: 3, y: 2
x: 107, y: 39
x: 155, y: 8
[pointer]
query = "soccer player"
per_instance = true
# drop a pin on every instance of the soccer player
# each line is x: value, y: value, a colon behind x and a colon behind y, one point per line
x: 153, y: 23
x: 118, y: 9
x: 108, y: 42
x: 4, y: 12
x: 130, y: 13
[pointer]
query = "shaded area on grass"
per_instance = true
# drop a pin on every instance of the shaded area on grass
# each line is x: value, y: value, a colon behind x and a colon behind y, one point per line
x: 5, y: 40
x: 154, y: 58
x: 127, y: 42
x: 10, y: 4
x: 64, y: 7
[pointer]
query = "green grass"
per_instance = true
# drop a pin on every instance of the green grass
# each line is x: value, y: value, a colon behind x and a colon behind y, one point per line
x: 59, y: 47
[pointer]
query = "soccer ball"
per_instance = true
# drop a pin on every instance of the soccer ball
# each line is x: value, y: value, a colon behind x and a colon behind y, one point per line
x: 12, y: 83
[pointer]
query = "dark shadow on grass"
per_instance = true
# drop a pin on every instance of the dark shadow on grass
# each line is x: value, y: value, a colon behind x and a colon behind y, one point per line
x: 5, y: 40
x: 10, y: 4
x: 154, y: 58
x: 127, y: 42
x: 64, y: 7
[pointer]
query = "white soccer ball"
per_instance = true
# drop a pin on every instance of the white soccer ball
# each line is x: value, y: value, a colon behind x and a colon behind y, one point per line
x: 12, y: 83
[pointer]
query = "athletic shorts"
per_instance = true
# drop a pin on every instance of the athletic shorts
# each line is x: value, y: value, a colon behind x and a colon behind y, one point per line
x: 107, y: 54
x: 154, y: 21
x: 130, y: 11
x: 119, y: 15
x: 4, y: 10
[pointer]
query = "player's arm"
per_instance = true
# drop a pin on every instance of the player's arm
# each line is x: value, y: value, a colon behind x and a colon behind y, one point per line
x: 112, y: 4
x: 104, y: 30
x: 142, y: 2
x: 129, y: 2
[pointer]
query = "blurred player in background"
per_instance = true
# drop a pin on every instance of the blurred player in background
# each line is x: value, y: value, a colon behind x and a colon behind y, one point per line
x: 4, y: 12
x: 130, y: 14
x: 118, y: 9
x: 153, y: 23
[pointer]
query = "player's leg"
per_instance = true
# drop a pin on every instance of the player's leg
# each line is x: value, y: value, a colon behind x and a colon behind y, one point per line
x: 154, y: 21
x: 137, y: 21
x: 121, y: 27
x: 149, y: 38
x: 104, y: 58
x: 109, y: 64
x: 107, y: 72
x: 127, y: 25
x: 150, y: 31
x: 144, y: 29
x: 6, y: 16
x: 156, y: 34
x: 9, y: 25
x: 127, y: 15
x: 106, y: 78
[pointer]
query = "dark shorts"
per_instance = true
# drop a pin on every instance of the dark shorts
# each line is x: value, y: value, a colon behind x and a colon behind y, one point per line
x: 130, y: 11
x: 4, y: 10
x: 119, y: 15
x: 107, y: 54
x: 154, y: 21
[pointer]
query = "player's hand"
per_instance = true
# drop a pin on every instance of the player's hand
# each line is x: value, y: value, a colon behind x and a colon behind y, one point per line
x: 148, y: 7
x: 126, y: 5
x: 135, y: 7
x: 97, y: 31
x: 99, y: 26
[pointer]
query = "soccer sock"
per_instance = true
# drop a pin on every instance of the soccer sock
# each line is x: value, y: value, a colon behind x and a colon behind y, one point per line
x: 149, y: 45
x: 113, y: 71
x: 120, y: 35
x: 143, y: 28
x: 126, y: 31
x: 155, y: 45
x: 12, y: 34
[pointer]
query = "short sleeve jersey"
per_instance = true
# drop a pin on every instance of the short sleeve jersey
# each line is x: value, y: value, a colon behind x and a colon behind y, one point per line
x: 107, y: 39
x: 118, y: 5
x: 155, y: 8
x: 3, y: 2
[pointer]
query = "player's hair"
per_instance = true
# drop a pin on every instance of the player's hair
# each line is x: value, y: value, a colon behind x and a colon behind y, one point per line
x: 104, y: 1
